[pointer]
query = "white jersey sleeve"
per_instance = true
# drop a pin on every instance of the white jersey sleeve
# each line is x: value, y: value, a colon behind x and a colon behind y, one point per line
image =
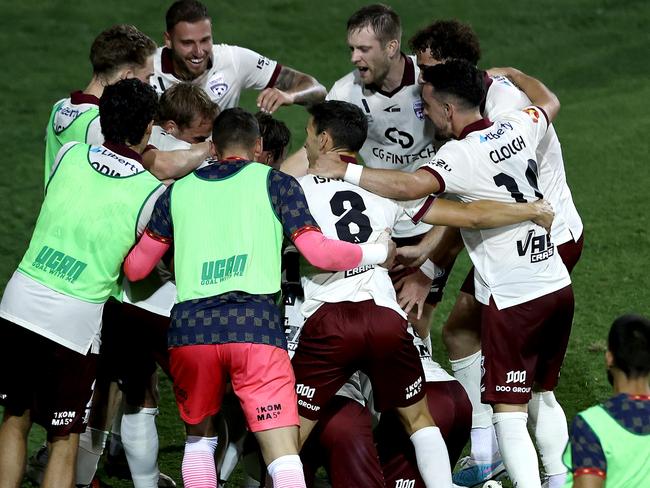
x: 348, y: 213
x: 94, y: 134
x: 254, y: 70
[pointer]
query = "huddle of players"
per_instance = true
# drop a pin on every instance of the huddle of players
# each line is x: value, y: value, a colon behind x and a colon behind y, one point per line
x: 377, y: 123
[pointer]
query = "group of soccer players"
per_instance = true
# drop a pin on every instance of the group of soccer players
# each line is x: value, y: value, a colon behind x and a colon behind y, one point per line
x: 162, y: 239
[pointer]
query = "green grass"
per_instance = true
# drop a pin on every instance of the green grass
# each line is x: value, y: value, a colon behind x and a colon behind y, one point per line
x: 592, y: 53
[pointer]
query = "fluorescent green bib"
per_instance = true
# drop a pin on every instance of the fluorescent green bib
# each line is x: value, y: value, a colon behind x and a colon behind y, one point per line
x: 226, y: 235
x: 55, y: 139
x: 627, y: 454
x: 86, y: 227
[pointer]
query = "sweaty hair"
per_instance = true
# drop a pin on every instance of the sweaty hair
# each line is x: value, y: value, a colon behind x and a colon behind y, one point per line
x: 381, y: 19
x: 125, y: 110
x: 275, y: 134
x: 457, y: 78
x: 185, y: 11
x: 629, y: 343
x: 183, y: 103
x: 235, y: 127
x: 120, y: 45
x: 344, y: 122
x: 448, y: 39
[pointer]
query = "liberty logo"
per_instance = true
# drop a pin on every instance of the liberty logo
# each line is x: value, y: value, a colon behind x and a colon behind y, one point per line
x: 223, y: 269
x: 59, y: 264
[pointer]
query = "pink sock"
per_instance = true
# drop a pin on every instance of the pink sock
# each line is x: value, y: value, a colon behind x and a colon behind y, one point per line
x: 286, y: 472
x: 198, y: 467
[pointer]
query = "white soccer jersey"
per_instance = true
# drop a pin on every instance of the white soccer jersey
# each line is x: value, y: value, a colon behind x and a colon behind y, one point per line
x: 233, y: 69
x: 348, y: 213
x: 157, y: 292
x: 399, y: 135
x: 503, y: 97
x: 516, y: 263
x: 71, y: 322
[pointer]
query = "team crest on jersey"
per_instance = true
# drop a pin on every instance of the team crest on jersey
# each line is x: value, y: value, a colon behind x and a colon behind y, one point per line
x: 533, y: 113
x: 418, y: 108
x: 218, y: 86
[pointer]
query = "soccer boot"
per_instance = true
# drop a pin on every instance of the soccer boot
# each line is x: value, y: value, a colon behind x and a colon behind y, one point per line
x: 472, y: 474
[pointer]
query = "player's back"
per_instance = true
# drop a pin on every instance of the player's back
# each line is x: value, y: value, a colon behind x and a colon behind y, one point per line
x: 347, y: 213
x: 502, y: 97
x: 515, y: 263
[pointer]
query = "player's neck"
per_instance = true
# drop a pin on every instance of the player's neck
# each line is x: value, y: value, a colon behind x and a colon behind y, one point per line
x: 463, y: 119
x: 636, y: 386
x: 236, y: 153
x: 95, y: 87
x: 395, y: 74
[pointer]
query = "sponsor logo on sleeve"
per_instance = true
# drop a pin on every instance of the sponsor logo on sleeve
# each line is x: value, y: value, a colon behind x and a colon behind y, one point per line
x: 262, y: 61
x: 533, y: 113
x: 440, y: 163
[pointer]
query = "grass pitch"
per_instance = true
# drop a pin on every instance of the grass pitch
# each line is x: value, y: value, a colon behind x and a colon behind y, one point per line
x: 592, y: 53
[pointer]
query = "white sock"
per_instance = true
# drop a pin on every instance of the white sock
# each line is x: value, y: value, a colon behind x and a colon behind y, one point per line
x: 547, y: 422
x: 484, y: 445
x: 517, y: 449
x: 432, y: 457
x: 91, y: 448
x: 140, y: 440
x: 286, y: 472
x: 427, y: 342
x: 198, y: 466
x: 468, y: 372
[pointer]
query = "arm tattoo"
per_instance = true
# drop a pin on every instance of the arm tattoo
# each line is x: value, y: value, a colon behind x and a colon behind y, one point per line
x: 306, y: 89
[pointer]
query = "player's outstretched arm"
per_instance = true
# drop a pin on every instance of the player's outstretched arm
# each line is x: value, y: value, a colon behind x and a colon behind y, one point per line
x: 292, y: 86
x: 389, y: 183
x: 486, y: 214
x: 172, y: 165
x: 144, y: 256
x: 538, y: 93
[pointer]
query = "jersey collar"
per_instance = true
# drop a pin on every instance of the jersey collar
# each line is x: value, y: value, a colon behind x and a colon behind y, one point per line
x: 480, y: 124
x: 78, y: 97
x: 348, y: 159
x: 123, y: 150
x: 408, y: 78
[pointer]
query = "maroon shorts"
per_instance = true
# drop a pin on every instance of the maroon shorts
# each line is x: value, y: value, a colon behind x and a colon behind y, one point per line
x: 571, y: 251
x: 260, y: 374
x: 341, y: 338
x: 451, y: 411
x: 342, y: 441
x: 51, y: 381
x: 134, y: 340
x: 437, y: 286
x: 524, y: 344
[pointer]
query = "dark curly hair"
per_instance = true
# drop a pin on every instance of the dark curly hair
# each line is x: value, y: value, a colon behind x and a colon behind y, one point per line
x: 118, y: 46
x: 629, y: 343
x: 459, y: 79
x: 125, y: 110
x: 448, y: 39
x: 275, y: 134
x: 344, y: 122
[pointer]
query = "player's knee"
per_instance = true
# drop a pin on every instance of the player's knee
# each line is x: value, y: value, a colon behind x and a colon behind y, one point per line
x: 415, y: 417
